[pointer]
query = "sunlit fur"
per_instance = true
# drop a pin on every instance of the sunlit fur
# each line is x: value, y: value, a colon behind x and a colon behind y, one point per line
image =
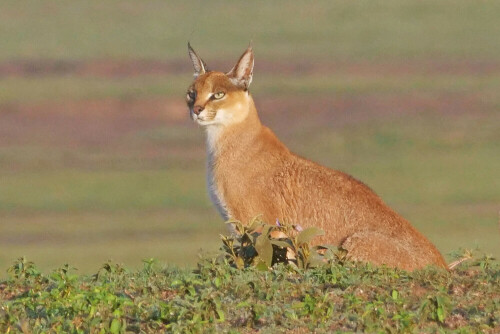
x: 251, y: 172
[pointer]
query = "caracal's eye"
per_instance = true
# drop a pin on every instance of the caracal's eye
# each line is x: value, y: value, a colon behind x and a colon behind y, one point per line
x: 219, y: 95
x: 191, y: 95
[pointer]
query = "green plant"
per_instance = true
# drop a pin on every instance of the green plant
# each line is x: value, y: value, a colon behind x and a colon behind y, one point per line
x: 263, y: 245
x: 217, y: 297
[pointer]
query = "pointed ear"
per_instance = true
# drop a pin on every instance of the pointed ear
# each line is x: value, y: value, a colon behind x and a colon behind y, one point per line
x: 241, y: 74
x: 199, y: 65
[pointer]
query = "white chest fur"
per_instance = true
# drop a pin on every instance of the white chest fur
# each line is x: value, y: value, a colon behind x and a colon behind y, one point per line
x: 215, y: 195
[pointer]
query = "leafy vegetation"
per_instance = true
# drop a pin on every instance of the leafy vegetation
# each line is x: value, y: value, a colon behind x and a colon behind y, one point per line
x: 263, y: 245
x: 225, y: 294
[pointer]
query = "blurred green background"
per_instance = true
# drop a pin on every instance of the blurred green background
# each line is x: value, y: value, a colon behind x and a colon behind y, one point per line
x: 99, y: 160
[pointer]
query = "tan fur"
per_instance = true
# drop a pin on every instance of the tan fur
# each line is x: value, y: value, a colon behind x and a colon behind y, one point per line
x: 251, y: 172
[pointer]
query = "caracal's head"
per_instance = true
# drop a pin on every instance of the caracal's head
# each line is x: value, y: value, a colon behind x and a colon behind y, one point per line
x: 217, y: 98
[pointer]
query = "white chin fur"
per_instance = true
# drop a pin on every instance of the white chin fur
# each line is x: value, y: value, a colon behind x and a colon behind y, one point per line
x: 206, y: 123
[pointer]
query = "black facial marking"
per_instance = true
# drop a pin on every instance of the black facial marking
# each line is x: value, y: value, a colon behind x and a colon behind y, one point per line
x: 191, y: 97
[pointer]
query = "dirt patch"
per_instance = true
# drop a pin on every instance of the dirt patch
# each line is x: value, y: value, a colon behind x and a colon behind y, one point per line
x: 85, y: 122
x: 110, y: 68
x: 104, y: 68
x: 103, y: 122
x: 288, y: 113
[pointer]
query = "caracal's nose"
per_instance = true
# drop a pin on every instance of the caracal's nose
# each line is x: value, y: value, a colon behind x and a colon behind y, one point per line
x: 198, y: 109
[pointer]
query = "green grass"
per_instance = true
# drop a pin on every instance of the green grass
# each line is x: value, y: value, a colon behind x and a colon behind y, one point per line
x: 325, y: 29
x: 102, y: 190
x: 127, y: 238
x: 96, y: 216
x: 255, y: 283
x: 82, y: 88
x: 55, y: 88
x: 337, y: 297
x: 91, y: 237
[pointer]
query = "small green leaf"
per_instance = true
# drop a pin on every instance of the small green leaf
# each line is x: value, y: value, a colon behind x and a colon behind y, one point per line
x: 256, y: 222
x: 264, y: 249
x: 262, y: 266
x: 243, y: 304
x: 115, y: 326
x: 266, y: 229
x: 217, y: 282
x: 298, y: 305
x: 191, y: 290
x: 315, y: 261
x: 394, y: 295
x: 440, y: 301
x: 221, y: 315
x: 440, y: 314
x: 176, y: 283
x: 440, y: 310
x: 308, y: 234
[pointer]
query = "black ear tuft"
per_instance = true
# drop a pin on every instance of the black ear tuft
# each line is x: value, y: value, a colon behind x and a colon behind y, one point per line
x: 199, y: 65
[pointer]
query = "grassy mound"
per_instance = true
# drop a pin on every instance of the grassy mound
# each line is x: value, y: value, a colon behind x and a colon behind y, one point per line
x: 218, y: 296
